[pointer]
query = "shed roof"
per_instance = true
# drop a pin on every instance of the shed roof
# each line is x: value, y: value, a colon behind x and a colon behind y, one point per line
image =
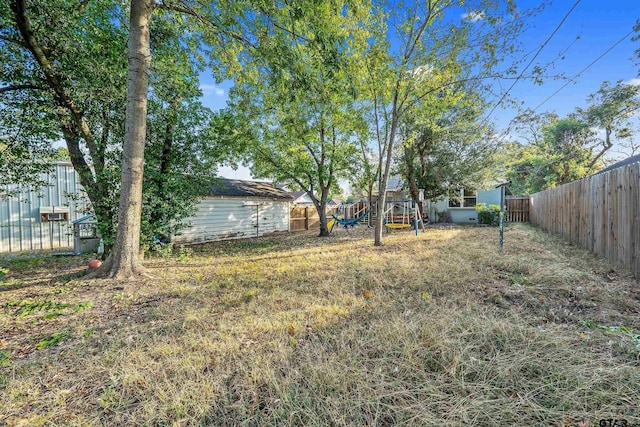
x: 222, y: 187
x: 625, y: 162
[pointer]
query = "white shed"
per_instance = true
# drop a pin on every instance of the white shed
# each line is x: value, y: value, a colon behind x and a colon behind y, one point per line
x: 235, y: 209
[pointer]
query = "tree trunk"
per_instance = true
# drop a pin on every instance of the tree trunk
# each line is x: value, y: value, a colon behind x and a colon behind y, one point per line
x: 384, y: 177
x: 124, y: 261
x: 605, y: 147
x: 324, y: 229
x: 321, y: 207
x: 166, y: 159
x: 73, y: 123
x: 370, y: 199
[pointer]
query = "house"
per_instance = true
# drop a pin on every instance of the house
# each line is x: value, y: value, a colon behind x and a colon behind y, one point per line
x: 300, y: 198
x: 41, y: 218
x: 396, y: 189
x: 334, y: 203
x: 235, y: 209
x: 461, y: 205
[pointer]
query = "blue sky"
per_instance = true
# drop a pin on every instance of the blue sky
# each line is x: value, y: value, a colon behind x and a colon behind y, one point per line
x: 599, y: 24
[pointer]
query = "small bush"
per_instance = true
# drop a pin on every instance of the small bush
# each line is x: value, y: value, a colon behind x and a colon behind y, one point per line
x: 488, y: 215
x: 165, y: 250
x: 184, y: 253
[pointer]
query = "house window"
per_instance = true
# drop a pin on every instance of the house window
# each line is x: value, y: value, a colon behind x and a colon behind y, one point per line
x: 469, y: 198
x: 463, y: 199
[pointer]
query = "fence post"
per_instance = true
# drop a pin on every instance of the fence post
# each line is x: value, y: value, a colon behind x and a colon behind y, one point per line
x: 306, y: 218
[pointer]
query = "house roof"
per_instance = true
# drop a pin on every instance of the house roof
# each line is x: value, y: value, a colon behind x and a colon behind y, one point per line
x: 300, y: 197
x: 625, y: 162
x: 296, y: 194
x: 334, y: 202
x: 395, y: 183
x: 223, y: 187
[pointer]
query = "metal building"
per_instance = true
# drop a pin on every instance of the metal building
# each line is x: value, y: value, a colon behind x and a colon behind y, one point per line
x: 42, y: 218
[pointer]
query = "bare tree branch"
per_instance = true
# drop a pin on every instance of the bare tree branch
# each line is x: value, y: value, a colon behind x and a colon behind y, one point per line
x: 14, y: 41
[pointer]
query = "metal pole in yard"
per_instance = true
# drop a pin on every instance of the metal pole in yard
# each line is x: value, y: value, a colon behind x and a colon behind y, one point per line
x: 503, y: 187
x: 501, y: 217
x: 415, y: 216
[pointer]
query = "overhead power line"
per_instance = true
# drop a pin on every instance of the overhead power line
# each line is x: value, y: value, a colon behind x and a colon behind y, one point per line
x: 572, y: 79
x: 542, y: 46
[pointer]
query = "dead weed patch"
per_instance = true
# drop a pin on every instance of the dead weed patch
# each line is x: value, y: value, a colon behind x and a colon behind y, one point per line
x: 441, y: 329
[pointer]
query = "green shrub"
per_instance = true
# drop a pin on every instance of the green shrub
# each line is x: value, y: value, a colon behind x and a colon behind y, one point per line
x: 488, y: 215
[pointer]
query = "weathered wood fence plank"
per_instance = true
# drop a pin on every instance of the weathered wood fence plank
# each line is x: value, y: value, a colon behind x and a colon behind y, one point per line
x: 306, y: 218
x: 517, y: 209
x: 599, y: 213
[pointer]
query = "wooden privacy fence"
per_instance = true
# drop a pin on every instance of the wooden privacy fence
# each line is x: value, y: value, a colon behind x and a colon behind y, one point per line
x: 518, y: 208
x: 599, y: 213
x: 306, y: 218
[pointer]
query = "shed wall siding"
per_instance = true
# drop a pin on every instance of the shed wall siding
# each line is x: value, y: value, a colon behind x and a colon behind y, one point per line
x: 21, y: 228
x: 223, y: 218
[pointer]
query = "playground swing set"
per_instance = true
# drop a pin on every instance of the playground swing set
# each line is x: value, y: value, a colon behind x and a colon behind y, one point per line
x: 403, y: 214
x: 398, y: 215
x: 345, y: 222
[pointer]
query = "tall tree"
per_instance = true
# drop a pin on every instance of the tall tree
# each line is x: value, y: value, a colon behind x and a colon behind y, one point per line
x: 430, y: 36
x: 50, y: 87
x: 300, y: 98
x: 556, y: 150
x: 611, y: 109
x: 563, y: 152
x: 124, y: 261
x: 51, y: 55
x: 456, y: 150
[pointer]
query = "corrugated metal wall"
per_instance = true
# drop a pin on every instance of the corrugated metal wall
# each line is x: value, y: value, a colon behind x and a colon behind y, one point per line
x: 21, y: 227
x: 220, y: 218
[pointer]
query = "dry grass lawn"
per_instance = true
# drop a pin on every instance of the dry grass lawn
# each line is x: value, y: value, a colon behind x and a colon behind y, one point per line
x: 439, y: 329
